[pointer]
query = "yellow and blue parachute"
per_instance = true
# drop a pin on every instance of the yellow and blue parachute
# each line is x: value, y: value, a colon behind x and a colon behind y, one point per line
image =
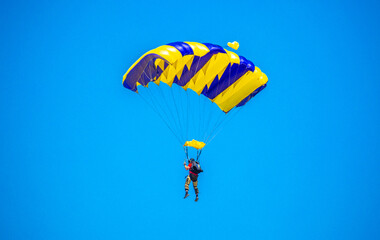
x: 221, y: 76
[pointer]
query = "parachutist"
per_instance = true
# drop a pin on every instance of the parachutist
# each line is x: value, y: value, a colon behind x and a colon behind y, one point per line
x: 194, y: 169
x: 228, y: 80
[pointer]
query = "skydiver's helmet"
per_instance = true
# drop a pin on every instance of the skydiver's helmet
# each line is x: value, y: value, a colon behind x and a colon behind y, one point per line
x: 190, y: 160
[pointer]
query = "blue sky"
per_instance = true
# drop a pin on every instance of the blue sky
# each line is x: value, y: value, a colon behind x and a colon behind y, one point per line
x: 81, y: 157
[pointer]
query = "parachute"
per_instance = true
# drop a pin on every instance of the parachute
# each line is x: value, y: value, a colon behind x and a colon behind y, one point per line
x: 215, y: 76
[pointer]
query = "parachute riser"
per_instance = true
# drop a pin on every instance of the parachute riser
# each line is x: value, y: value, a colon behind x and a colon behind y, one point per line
x: 186, y: 152
x: 199, y: 152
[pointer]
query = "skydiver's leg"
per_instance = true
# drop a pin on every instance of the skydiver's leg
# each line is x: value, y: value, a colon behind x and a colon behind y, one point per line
x: 187, y: 182
x: 194, y: 178
x: 195, y: 185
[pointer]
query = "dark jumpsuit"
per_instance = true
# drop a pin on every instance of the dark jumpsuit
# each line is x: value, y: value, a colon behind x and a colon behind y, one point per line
x: 192, y: 177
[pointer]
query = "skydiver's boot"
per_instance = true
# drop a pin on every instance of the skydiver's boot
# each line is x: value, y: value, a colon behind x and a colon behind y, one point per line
x: 196, y: 199
x: 187, y: 194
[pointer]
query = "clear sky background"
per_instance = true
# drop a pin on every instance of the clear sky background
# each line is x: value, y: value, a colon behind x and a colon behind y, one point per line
x: 81, y: 157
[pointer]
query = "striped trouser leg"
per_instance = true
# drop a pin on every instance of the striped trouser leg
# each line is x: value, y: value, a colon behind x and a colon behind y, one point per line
x: 187, y: 182
x: 195, y: 185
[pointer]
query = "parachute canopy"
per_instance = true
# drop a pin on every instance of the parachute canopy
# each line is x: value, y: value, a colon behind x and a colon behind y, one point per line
x: 225, y: 78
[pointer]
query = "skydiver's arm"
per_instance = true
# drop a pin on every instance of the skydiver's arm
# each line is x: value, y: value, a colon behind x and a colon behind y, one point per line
x: 186, y: 167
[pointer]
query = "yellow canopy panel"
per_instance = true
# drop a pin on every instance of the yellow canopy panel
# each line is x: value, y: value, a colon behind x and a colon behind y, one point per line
x: 195, y: 144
